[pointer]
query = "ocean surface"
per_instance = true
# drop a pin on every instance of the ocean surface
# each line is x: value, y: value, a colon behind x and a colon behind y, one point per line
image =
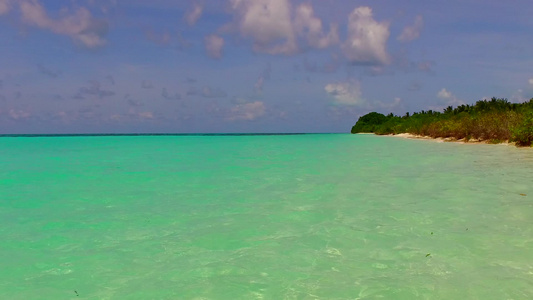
x: 321, y: 216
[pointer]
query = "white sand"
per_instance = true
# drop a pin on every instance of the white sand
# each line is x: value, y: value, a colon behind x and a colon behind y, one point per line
x: 440, y: 140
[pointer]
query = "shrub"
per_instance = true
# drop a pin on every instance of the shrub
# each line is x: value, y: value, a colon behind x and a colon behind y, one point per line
x: 522, y: 134
x: 369, y: 122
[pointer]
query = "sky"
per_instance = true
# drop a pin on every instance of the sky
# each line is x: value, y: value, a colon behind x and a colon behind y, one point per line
x: 234, y: 66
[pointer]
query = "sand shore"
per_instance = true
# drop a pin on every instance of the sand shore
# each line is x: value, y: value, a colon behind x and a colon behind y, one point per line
x: 441, y: 140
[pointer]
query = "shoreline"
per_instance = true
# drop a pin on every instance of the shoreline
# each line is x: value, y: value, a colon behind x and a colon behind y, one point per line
x: 450, y: 139
x: 494, y: 121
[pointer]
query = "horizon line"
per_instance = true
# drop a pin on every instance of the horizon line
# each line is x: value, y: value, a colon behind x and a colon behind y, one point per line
x: 162, y: 134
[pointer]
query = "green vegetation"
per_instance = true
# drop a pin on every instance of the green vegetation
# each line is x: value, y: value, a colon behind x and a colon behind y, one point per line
x: 495, y: 121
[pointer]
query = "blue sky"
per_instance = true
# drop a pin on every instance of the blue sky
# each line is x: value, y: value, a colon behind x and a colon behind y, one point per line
x: 117, y: 66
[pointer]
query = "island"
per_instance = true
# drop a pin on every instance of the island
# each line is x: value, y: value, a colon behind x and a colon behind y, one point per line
x: 493, y: 121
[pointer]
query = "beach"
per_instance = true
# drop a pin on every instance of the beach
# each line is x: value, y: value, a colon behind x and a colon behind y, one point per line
x: 439, y: 139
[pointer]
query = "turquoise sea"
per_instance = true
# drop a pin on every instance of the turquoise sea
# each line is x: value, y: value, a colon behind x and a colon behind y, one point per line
x: 319, y: 216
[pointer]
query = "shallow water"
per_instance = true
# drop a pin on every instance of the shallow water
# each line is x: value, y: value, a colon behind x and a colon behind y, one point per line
x: 333, y: 216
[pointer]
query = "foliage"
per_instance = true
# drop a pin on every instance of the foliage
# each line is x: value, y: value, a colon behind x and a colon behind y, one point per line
x: 522, y: 133
x: 369, y: 122
x: 493, y: 120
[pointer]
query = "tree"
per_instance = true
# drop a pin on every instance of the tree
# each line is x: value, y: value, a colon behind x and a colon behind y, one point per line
x: 369, y: 122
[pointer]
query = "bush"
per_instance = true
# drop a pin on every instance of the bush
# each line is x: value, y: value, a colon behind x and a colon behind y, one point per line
x: 369, y: 122
x: 523, y: 133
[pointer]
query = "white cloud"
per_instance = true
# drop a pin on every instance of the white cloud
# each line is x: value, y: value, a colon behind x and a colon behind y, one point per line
x: 18, y: 114
x: 448, y: 98
x: 412, y: 32
x: 146, y: 115
x: 445, y: 94
x: 247, y: 111
x: 268, y: 23
x: 194, y: 14
x: 214, y: 45
x: 5, y: 6
x: 367, y: 38
x: 79, y: 25
x: 133, y: 115
x: 276, y: 28
x: 63, y: 116
x: 346, y: 93
x: 531, y: 82
x: 394, y: 105
x: 310, y: 27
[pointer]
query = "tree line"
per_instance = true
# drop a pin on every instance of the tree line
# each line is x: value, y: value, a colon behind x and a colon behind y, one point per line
x: 495, y: 120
